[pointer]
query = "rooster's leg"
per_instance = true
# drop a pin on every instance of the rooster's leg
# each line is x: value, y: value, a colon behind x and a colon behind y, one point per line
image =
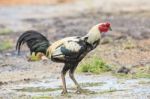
x: 63, y: 73
x: 71, y: 74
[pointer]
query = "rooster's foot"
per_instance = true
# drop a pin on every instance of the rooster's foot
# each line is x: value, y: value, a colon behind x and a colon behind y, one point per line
x: 64, y: 92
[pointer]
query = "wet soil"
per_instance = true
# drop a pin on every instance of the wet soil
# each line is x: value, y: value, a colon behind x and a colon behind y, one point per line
x: 101, y: 87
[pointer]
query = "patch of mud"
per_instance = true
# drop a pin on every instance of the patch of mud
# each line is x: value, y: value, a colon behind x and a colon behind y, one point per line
x: 9, y: 68
x: 100, y: 87
x: 14, y: 69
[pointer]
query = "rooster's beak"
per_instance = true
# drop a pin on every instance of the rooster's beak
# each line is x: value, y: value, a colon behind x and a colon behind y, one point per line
x: 110, y: 29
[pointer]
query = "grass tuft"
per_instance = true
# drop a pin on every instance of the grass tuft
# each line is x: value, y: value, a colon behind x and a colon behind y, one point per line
x: 111, y: 90
x: 91, y: 84
x: 42, y: 97
x: 140, y: 72
x: 5, y: 45
x: 37, y: 89
x: 94, y: 65
x: 5, y: 31
x: 142, y: 75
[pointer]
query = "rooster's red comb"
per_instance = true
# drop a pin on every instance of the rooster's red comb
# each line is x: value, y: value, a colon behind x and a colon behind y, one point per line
x: 107, y: 24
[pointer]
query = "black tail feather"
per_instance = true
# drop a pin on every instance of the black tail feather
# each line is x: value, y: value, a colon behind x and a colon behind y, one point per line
x: 36, y: 42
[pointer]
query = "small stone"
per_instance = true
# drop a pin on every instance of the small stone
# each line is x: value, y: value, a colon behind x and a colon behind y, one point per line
x: 123, y: 70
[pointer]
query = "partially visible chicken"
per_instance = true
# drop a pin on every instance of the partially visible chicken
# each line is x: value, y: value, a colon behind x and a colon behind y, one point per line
x: 72, y: 50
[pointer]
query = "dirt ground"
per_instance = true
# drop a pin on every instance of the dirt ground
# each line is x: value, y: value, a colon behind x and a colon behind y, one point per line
x: 127, y: 45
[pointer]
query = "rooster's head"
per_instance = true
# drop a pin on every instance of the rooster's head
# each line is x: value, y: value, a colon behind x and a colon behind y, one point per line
x: 97, y: 31
x: 101, y: 28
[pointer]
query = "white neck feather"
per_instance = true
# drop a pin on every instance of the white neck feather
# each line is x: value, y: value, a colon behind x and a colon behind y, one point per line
x: 93, y: 35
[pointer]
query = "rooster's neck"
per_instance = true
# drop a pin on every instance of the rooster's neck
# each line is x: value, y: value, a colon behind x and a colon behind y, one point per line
x: 93, y: 35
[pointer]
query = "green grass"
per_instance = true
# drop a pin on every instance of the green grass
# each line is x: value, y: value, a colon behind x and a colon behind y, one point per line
x: 37, y: 89
x: 142, y: 75
x: 110, y: 91
x: 5, y: 45
x: 5, y: 31
x: 136, y: 75
x: 94, y: 65
x: 42, y: 97
x: 140, y: 72
x: 92, y: 84
x: 144, y: 82
x: 122, y: 75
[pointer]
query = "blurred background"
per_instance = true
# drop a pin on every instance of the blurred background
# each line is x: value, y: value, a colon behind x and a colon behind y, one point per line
x: 126, y: 49
x: 31, y: 2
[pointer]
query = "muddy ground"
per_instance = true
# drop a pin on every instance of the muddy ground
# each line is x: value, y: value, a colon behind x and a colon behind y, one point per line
x: 127, y: 45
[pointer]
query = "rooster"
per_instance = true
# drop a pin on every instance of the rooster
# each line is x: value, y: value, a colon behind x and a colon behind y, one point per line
x: 70, y: 50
